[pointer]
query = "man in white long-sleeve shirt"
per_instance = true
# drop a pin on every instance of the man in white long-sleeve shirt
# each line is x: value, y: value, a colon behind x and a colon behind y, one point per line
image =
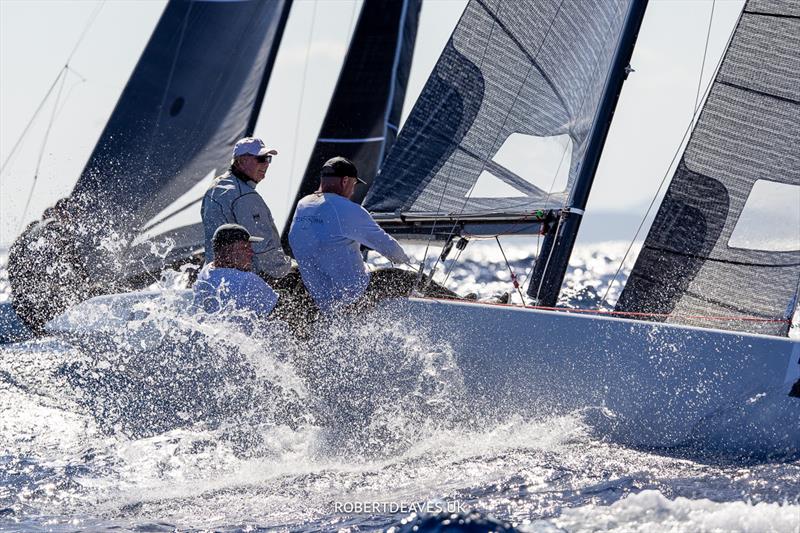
x: 227, y: 282
x: 327, y: 232
x: 232, y: 199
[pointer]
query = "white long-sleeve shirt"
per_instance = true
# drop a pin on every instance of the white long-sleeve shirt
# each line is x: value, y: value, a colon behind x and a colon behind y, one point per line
x: 231, y: 200
x: 326, y: 234
x: 218, y: 289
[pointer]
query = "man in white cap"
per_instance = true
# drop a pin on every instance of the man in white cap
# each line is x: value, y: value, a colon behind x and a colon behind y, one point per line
x: 227, y: 282
x: 232, y: 199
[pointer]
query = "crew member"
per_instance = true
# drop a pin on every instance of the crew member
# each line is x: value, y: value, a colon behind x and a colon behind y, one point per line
x: 327, y: 232
x: 227, y: 282
x: 232, y: 199
x: 45, y: 268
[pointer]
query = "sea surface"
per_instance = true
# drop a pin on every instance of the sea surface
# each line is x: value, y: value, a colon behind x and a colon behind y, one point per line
x: 168, y: 426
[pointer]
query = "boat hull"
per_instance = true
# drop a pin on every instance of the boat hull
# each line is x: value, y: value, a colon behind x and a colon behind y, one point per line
x: 656, y: 384
x: 641, y: 383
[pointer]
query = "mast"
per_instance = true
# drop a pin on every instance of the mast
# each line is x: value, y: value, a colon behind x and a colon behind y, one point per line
x: 551, y: 264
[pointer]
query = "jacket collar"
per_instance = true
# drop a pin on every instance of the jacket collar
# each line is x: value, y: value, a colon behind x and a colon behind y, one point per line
x: 242, y: 176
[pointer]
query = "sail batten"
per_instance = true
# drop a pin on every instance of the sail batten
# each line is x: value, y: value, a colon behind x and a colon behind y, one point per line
x: 744, y: 146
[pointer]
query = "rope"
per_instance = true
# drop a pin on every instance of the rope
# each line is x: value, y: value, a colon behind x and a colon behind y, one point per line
x: 510, y: 270
x: 677, y: 152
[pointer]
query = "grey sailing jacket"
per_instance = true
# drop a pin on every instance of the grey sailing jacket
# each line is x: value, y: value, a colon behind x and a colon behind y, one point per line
x: 231, y: 200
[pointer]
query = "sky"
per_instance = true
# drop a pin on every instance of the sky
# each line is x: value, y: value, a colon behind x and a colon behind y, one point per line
x: 101, y: 42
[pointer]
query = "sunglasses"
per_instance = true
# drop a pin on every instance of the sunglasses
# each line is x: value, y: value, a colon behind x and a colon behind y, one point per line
x: 263, y: 158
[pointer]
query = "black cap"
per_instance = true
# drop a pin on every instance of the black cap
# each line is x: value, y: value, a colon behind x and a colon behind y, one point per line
x: 340, y: 167
x: 230, y: 233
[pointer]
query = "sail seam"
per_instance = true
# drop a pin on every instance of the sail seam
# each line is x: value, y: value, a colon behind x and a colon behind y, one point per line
x: 776, y: 15
x: 725, y: 261
x: 350, y: 140
x: 522, y: 49
x: 756, y: 91
x: 719, y: 303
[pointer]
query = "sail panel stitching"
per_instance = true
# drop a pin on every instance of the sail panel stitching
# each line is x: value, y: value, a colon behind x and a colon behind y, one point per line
x: 717, y: 303
x: 722, y: 261
x: 776, y: 15
x: 351, y: 140
x: 756, y: 91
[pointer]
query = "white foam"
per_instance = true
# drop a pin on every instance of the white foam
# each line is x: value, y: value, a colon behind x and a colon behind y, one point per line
x: 650, y: 511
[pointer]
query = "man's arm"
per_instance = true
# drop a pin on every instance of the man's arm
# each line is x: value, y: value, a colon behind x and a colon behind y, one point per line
x: 357, y: 224
x: 252, y: 213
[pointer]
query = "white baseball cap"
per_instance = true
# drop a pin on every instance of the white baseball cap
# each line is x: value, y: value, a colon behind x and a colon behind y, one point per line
x: 250, y: 146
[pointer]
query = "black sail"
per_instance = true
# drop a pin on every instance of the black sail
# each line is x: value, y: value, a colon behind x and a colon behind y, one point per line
x: 715, y: 246
x: 363, y: 116
x: 196, y: 89
x: 518, y: 77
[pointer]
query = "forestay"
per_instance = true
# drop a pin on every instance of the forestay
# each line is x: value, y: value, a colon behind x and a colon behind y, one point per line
x: 501, y: 126
x: 726, y: 240
x: 196, y: 89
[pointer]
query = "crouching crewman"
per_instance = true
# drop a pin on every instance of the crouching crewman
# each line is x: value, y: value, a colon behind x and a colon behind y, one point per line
x: 227, y: 282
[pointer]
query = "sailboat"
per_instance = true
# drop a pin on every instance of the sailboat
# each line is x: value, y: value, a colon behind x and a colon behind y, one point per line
x: 697, y: 343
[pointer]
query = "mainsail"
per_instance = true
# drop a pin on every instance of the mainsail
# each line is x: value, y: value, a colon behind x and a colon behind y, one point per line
x: 196, y: 89
x: 510, y: 103
x: 363, y: 115
x: 726, y: 240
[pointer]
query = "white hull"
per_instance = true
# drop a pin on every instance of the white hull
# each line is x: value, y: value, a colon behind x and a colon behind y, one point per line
x: 662, y: 383
x: 653, y: 384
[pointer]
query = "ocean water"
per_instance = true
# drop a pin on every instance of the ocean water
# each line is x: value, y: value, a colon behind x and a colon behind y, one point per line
x: 170, y: 424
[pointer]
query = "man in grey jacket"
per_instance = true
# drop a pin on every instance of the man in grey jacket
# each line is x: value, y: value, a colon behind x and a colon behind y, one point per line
x: 232, y: 199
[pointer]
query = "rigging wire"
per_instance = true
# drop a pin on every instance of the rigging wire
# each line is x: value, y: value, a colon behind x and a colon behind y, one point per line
x: 529, y: 278
x: 420, y: 273
x: 676, y: 153
x: 80, y: 81
x: 62, y: 75
x: 468, y: 196
x: 705, y: 53
x: 511, y: 271
x: 88, y: 25
x: 453, y: 263
x: 31, y: 121
x: 41, y: 151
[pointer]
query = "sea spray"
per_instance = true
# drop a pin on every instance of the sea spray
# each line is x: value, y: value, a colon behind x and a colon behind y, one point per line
x: 168, y: 368
x: 379, y: 385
